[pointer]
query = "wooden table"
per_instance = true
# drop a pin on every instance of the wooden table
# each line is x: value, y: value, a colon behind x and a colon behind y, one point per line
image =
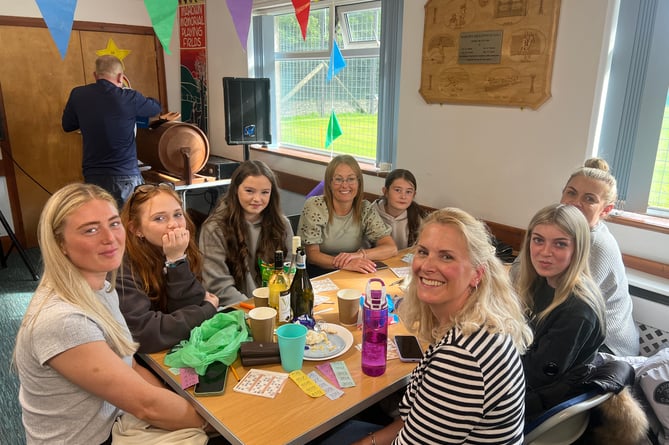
x: 293, y: 417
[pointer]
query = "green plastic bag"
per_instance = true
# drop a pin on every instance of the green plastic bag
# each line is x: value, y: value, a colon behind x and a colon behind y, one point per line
x: 216, y: 339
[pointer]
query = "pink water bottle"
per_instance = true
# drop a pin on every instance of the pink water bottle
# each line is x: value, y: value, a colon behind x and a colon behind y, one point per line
x: 374, y: 329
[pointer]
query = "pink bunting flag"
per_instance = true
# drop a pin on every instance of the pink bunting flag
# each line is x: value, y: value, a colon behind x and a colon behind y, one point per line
x: 302, y: 13
x: 240, y: 10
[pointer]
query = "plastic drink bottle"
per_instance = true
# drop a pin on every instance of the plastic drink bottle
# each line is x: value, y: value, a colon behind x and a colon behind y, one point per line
x: 374, y: 329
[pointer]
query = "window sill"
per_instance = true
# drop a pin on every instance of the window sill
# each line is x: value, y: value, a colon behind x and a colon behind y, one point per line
x: 639, y: 220
x: 315, y: 158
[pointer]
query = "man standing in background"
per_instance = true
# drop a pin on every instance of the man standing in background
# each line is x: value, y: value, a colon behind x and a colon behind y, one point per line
x: 106, y: 113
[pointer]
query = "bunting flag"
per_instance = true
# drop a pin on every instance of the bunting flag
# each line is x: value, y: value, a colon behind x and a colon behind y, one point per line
x: 334, y: 130
x: 240, y: 10
x: 337, y: 62
x: 162, y: 13
x: 58, y: 16
x: 302, y: 14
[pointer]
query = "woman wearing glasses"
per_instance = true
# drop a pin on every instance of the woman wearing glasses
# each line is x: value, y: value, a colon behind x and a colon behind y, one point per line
x: 160, y: 293
x: 335, y: 226
x: 247, y: 225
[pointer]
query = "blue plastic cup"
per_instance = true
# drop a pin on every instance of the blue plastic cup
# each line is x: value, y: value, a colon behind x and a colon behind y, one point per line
x: 291, y: 338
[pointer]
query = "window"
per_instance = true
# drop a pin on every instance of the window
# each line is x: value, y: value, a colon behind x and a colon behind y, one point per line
x: 303, y: 99
x: 635, y: 122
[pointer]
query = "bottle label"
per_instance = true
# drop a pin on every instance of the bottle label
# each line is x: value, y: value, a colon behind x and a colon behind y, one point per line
x: 284, y: 307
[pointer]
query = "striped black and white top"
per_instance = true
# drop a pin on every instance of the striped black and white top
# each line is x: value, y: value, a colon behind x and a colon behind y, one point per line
x: 466, y: 389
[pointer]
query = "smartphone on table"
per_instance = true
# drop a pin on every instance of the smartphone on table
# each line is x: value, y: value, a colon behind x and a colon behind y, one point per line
x: 212, y: 383
x: 380, y: 265
x: 408, y: 348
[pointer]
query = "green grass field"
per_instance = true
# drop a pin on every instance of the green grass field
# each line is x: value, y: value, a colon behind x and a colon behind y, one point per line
x: 659, y: 189
x: 358, y: 136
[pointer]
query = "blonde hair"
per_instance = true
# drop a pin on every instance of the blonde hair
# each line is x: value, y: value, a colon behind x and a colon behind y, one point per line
x: 108, y: 65
x: 61, y: 278
x: 598, y: 169
x: 575, y: 280
x: 492, y: 305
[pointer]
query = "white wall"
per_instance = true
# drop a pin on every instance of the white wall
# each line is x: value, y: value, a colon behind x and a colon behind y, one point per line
x: 500, y: 164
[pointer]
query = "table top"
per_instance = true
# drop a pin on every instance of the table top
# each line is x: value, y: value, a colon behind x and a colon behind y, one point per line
x: 293, y: 417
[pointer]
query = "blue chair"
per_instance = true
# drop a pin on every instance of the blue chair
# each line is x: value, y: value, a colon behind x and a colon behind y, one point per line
x: 564, y: 423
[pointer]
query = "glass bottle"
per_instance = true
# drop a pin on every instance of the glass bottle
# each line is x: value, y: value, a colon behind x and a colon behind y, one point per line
x: 279, y: 290
x: 297, y: 242
x: 301, y: 291
x: 375, y: 330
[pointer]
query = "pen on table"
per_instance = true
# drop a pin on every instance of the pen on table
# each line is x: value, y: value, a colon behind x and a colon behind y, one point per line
x: 247, y: 305
x: 394, y: 283
x: 234, y: 372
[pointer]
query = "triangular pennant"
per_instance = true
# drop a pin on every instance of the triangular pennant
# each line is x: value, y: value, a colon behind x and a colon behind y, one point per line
x: 334, y: 130
x: 162, y: 13
x: 240, y: 10
x: 58, y: 16
x: 337, y: 62
x: 302, y: 13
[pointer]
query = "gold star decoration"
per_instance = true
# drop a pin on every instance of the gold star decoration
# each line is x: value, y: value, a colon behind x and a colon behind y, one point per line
x: 113, y: 50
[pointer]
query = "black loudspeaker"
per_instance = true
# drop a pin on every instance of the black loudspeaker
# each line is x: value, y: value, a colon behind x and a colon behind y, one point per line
x: 220, y: 168
x: 247, y: 111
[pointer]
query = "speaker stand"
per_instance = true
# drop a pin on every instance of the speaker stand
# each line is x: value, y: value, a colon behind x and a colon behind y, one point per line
x: 19, y: 248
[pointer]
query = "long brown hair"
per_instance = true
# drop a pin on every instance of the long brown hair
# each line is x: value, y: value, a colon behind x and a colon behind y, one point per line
x: 229, y: 216
x: 415, y: 213
x: 147, y: 261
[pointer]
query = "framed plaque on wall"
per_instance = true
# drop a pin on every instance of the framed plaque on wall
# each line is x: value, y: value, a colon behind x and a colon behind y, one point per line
x: 492, y: 52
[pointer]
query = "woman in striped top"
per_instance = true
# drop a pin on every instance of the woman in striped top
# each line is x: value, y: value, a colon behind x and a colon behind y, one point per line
x: 469, y: 386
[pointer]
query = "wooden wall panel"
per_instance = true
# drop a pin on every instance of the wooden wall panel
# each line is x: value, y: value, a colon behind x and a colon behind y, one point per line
x: 36, y: 83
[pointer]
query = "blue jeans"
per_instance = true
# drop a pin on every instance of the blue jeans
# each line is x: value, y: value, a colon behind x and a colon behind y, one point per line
x: 120, y: 187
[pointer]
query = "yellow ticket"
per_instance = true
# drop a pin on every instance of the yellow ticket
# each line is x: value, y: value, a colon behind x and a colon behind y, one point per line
x: 305, y: 383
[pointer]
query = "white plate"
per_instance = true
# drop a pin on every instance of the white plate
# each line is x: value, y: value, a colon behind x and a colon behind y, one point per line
x: 342, y: 340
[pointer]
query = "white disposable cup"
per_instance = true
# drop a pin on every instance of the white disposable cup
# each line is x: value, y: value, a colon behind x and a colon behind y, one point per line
x: 262, y: 324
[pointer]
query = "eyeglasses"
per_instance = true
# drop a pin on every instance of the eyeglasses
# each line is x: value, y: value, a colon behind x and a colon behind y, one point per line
x: 146, y: 188
x: 339, y: 180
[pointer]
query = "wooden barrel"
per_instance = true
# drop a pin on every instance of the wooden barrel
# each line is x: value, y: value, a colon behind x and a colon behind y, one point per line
x: 164, y: 148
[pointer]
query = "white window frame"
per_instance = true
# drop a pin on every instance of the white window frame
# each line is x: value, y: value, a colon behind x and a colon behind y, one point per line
x: 261, y: 59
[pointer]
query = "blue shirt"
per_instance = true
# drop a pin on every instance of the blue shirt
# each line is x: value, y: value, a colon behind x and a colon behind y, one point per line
x: 106, y: 116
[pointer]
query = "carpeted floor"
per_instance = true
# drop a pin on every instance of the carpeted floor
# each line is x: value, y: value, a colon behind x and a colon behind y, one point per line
x: 16, y: 288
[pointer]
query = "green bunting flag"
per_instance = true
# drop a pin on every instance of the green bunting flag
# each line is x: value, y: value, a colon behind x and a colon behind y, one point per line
x: 162, y: 14
x: 334, y: 130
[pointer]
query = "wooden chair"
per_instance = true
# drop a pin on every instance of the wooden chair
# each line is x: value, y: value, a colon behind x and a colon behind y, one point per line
x: 564, y: 423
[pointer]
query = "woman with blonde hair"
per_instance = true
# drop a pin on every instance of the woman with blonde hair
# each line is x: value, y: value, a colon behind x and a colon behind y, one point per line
x: 469, y: 385
x: 592, y: 189
x: 564, y: 304
x: 73, y: 350
x: 336, y: 226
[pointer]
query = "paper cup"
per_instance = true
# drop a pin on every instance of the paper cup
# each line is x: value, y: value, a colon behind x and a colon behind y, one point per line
x: 262, y: 324
x: 292, y: 338
x: 261, y: 297
x: 349, y: 303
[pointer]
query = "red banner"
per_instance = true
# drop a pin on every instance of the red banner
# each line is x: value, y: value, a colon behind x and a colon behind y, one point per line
x: 193, y: 44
